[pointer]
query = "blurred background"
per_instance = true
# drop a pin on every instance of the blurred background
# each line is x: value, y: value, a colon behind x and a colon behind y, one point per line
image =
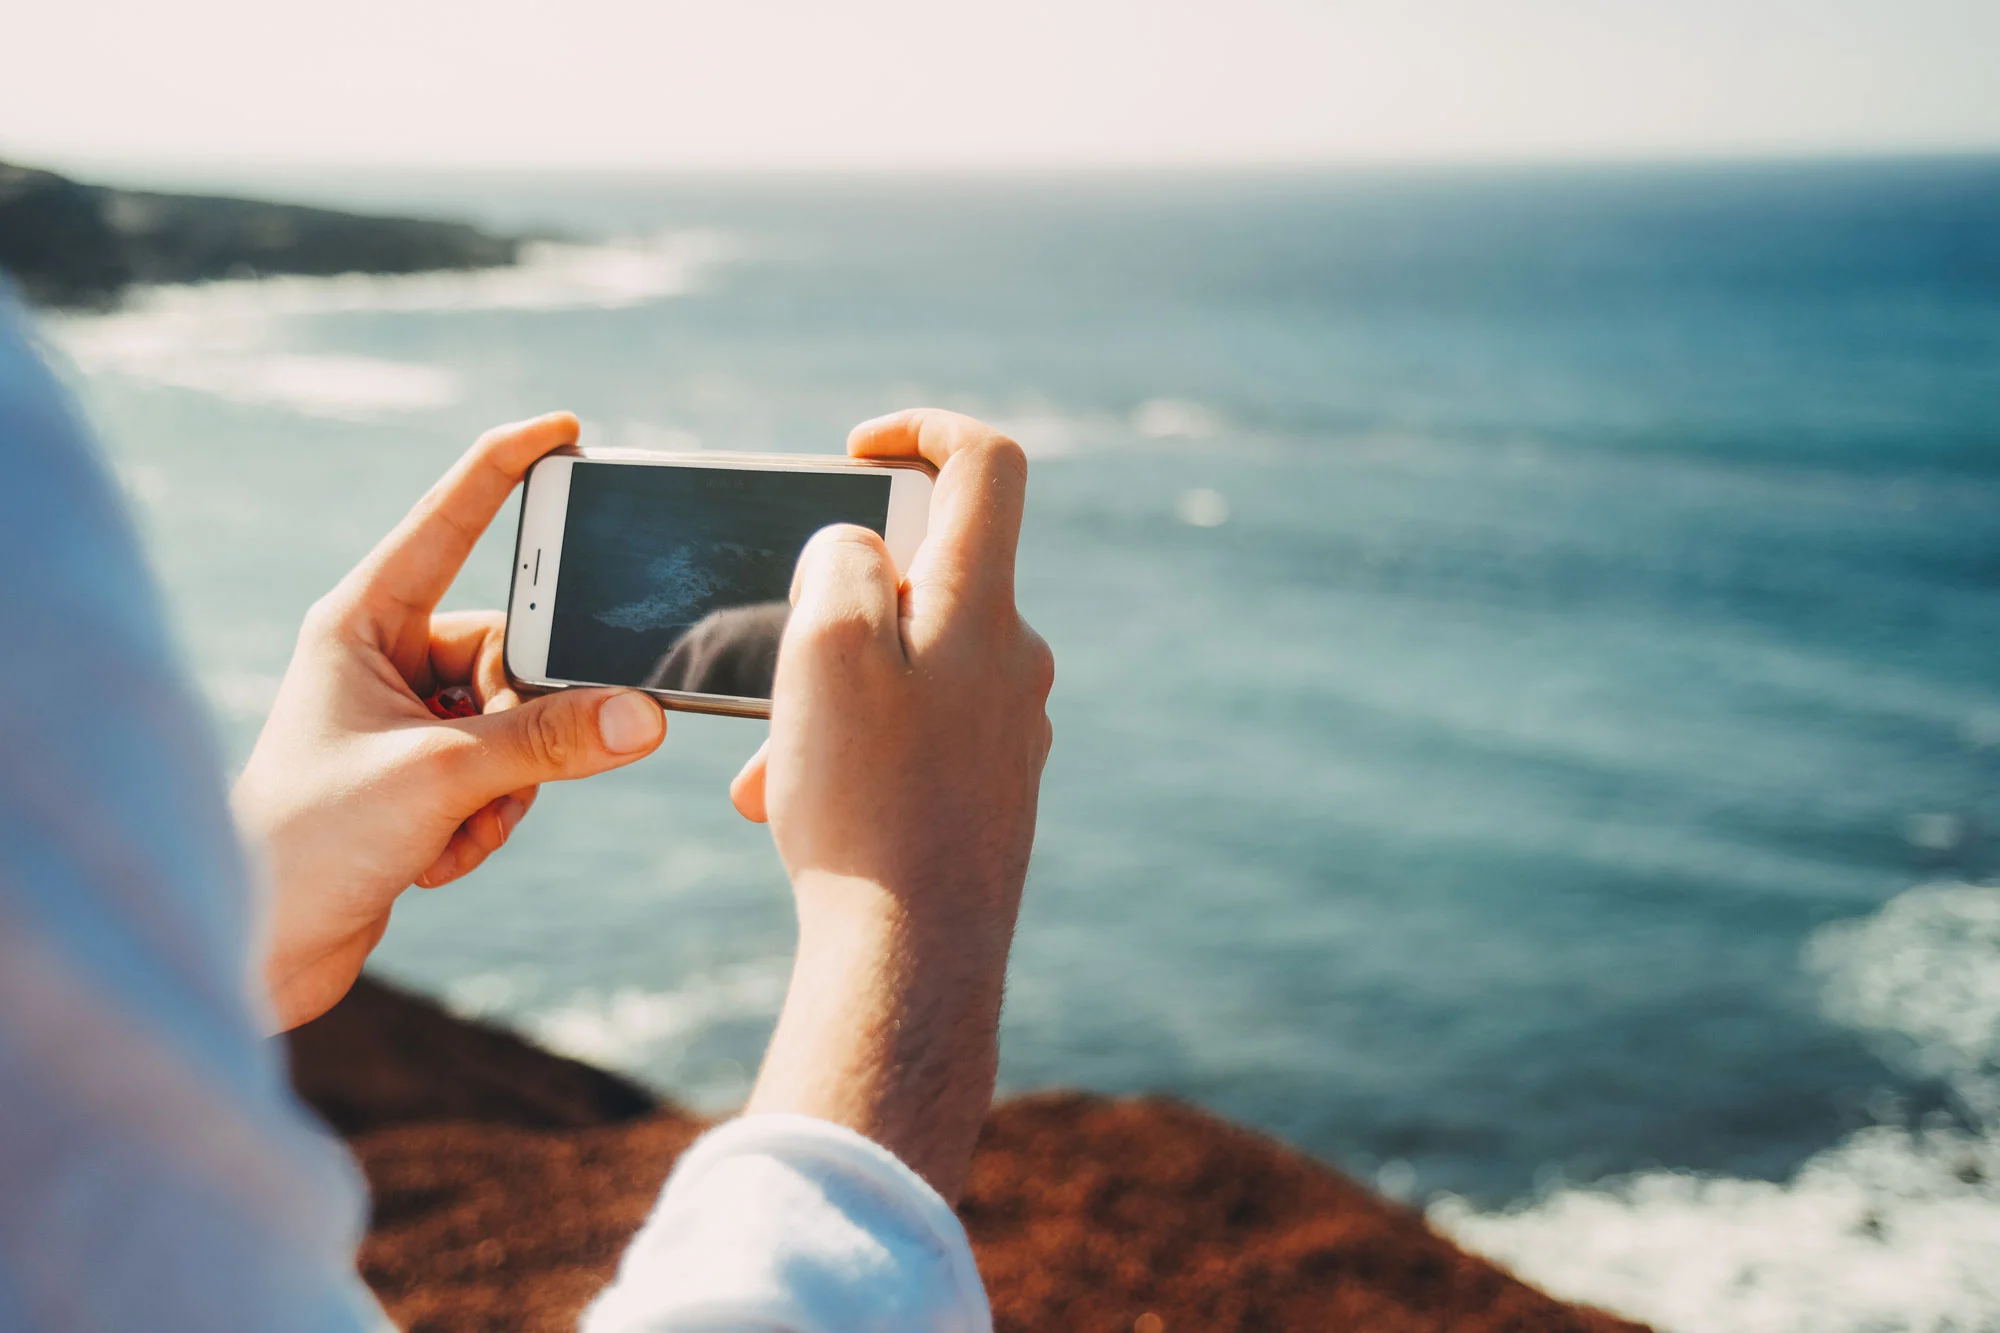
x: 1515, y: 503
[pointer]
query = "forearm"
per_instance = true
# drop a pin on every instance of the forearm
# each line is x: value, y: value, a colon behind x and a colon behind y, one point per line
x: 890, y: 1025
x: 827, y: 1205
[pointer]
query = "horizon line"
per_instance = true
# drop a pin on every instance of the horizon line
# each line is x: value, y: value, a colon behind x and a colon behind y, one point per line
x: 156, y: 168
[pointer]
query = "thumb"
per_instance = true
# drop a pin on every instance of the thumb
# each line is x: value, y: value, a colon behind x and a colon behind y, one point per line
x: 746, y: 790
x: 568, y: 734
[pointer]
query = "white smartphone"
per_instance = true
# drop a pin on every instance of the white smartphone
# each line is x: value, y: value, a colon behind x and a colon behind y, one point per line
x: 672, y: 573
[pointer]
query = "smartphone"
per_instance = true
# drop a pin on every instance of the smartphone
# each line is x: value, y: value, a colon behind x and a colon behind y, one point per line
x: 672, y: 573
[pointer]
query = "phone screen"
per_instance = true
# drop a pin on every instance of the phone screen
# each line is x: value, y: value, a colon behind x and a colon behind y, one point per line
x: 678, y: 578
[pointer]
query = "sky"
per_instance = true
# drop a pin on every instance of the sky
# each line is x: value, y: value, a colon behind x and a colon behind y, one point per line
x: 927, y: 84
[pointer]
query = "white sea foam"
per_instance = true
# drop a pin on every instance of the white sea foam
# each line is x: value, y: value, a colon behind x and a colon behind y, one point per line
x: 1925, y: 970
x: 1175, y: 418
x: 492, y: 994
x: 1982, y: 729
x: 1896, y: 1230
x: 1047, y: 431
x: 636, y: 1029
x: 233, y: 339
x: 1203, y: 508
x: 233, y: 353
x: 551, y: 275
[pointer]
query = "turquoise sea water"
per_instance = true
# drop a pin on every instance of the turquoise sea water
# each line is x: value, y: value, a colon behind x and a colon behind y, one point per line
x: 1505, y: 623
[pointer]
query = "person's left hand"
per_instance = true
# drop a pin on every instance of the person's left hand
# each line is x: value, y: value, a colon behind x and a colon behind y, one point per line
x: 355, y: 790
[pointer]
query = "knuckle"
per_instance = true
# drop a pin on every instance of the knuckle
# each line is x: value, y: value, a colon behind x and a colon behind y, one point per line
x: 451, y: 757
x: 551, y: 738
x: 957, y: 428
x: 1000, y: 455
x: 943, y: 434
x: 437, y: 508
x: 1040, y: 664
x: 843, y: 633
x: 937, y: 427
x: 851, y: 537
x: 326, y: 618
x: 842, y: 554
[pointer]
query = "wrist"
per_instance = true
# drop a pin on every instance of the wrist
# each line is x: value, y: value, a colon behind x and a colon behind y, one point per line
x: 925, y: 936
x: 890, y: 1026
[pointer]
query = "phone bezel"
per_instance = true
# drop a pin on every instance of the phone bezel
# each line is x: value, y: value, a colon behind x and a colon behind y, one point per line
x: 538, y: 540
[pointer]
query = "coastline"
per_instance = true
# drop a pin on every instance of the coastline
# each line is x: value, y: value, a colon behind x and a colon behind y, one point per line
x: 506, y: 1181
x: 70, y: 244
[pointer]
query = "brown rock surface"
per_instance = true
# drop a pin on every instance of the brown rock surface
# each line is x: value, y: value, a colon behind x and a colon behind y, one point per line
x: 506, y: 1181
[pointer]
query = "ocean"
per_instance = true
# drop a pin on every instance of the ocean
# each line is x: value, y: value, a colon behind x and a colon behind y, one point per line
x: 1528, y: 648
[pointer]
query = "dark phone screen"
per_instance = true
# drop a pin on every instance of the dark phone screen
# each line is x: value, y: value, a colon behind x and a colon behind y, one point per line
x: 676, y: 578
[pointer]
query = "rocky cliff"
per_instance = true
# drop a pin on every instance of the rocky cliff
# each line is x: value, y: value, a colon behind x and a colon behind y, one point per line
x: 507, y: 1180
x: 67, y: 243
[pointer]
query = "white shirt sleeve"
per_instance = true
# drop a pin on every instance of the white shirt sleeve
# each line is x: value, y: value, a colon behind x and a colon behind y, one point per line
x: 155, y: 1170
x: 787, y: 1224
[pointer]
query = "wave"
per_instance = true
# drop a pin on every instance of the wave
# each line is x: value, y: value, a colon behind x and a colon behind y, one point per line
x: 1176, y: 419
x: 1895, y: 1230
x: 648, y: 1033
x: 1046, y: 431
x: 229, y: 338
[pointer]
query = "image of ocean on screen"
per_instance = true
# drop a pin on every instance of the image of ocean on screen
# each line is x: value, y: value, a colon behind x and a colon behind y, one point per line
x: 1527, y: 719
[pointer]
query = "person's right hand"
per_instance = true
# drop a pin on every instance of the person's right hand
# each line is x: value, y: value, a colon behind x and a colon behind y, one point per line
x: 908, y: 736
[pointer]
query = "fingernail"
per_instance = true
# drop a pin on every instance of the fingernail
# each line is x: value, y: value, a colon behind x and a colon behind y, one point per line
x: 511, y: 810
x: 628, y: 722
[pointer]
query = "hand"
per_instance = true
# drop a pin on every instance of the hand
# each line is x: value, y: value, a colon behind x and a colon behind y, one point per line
x: 355, y: 790
x: 908, y: 735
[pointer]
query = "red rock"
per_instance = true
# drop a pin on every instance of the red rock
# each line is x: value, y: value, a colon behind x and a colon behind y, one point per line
x: 507, y: 1180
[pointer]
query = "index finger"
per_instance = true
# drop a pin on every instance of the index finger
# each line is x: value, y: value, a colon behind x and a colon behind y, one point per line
x: 466, y: 649
x: 975, y: 522
x: 413, y: 566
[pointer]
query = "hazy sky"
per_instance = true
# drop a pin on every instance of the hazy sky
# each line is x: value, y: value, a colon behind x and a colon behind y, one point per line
x: 925, y: 83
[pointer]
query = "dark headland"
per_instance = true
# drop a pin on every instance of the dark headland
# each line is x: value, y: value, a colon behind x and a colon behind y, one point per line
x: 506, y: 1182
x: 67, y: 243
